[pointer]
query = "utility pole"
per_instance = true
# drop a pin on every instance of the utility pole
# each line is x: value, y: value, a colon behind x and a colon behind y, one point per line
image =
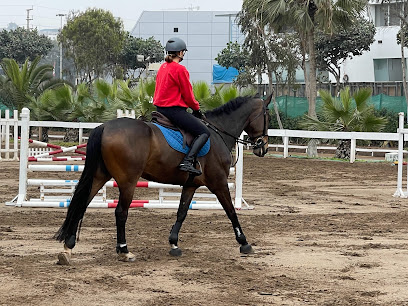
x: 60, y: 74
x: 28, y: 18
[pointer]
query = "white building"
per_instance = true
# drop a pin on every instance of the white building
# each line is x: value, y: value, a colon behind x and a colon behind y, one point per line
x: 205, y: 33
x: 383, y: 62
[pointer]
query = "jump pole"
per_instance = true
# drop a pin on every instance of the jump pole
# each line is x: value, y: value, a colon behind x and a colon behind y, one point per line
x: 23, y: 182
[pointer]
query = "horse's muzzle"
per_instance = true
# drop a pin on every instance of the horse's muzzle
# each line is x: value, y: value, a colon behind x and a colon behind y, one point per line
x: 260, y: 147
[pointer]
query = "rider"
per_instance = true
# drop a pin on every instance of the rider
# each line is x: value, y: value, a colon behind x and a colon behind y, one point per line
x: 174, y: 94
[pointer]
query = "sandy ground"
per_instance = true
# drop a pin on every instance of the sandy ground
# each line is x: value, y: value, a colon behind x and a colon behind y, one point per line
x: 325, y: 233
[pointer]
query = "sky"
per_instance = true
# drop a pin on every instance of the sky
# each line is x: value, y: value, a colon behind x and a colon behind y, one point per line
x: 44, y: 12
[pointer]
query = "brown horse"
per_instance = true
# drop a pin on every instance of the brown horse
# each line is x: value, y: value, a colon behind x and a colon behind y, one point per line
x: 127, y: 149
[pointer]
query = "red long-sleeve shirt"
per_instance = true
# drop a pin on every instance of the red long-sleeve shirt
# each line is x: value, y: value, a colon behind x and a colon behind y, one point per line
x: 173, y: 87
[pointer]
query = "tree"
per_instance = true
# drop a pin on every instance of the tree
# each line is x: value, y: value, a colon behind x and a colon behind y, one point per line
x: 333, y: 49
x: 402, y: 40
x: 304, y: 17
x: 94, y: 40
x: 222, y: 94
x: 21, y: 85
x: 151, y: 50
x: 234, y: 55
x: 273, y: 53
x: 341, y: 114
x: 20, y: 44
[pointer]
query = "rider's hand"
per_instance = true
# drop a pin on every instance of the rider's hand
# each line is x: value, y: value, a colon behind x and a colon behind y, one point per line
x: 198, y: 114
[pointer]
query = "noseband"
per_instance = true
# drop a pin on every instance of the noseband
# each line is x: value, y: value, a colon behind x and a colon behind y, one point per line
x: 258, y: 142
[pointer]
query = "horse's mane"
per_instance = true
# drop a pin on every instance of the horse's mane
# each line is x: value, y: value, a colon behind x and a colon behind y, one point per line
x: 228, y: 107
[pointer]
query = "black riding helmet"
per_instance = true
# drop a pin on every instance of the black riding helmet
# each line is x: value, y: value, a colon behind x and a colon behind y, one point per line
x: 175, y: 44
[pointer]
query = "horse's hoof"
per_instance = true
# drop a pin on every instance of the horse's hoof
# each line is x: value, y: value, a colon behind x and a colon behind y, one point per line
x: 126, y: 257
x: 246, y: 249
x: 64, y: 259
x: 175, y: 252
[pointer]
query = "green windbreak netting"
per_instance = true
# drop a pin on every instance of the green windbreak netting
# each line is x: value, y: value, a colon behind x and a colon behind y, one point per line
x: 297, y: 106
x: 2, y: 110
x: 395, y: 104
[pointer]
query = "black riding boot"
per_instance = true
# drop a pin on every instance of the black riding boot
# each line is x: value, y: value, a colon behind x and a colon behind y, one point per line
x: 188, y: 162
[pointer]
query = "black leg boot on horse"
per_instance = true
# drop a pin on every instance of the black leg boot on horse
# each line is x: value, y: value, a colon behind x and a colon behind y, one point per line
x: 189, y: 161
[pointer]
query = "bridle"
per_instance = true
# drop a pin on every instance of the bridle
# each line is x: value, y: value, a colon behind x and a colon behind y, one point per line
x: 257, y: 142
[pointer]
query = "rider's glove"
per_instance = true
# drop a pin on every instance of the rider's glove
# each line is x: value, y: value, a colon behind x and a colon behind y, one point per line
x: 198, y: 114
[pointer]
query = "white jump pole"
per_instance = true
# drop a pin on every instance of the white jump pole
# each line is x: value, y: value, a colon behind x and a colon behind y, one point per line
x: 22, y: 185
x: 24, y: 167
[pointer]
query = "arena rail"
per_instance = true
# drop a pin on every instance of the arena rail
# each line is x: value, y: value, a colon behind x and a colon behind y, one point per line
x: 63, y: 201
x: 353, y: 136
x: 8, y: 125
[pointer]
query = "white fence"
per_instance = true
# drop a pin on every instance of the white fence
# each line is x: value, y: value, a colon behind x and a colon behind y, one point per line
x: 353, y: 136
x: 8, y: 136
x: 9, y: 144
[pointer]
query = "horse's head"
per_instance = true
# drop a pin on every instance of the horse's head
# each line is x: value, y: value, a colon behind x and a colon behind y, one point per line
x: 257, y: 127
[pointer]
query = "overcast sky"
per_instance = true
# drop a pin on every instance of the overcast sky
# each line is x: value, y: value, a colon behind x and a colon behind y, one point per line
x: 44, y: 11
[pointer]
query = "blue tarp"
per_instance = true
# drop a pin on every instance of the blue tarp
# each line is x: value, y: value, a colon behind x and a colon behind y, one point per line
x: 224, y: 75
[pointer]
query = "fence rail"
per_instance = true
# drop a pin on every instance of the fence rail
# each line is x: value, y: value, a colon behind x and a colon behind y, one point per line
x: 9, y: 146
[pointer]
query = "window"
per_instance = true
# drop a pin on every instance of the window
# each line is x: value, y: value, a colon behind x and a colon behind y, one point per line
x: 387, y: 69
x: 387, y: 14
x: 175, y: 30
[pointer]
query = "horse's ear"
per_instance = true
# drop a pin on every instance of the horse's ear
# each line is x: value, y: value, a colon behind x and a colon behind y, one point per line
x: 268, y: 99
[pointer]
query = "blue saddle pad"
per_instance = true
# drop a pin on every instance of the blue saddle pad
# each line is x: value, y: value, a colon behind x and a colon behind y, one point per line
x: 175, y: 140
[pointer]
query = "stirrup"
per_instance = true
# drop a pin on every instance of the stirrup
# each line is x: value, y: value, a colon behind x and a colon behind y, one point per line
x: 188, y: 167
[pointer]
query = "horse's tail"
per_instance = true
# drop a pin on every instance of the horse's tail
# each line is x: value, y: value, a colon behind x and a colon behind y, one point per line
x: 79, y: 201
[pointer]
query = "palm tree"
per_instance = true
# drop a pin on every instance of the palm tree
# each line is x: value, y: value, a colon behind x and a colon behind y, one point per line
x: 304, y: 17
x: 344, y: 114
x: 222, y: 94
x: 23, y: 84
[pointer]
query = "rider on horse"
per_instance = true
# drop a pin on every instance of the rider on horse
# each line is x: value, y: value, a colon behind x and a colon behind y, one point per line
x: 174, y: 94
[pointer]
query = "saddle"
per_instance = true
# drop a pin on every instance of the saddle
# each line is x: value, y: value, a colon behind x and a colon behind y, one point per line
x: 162, y: 120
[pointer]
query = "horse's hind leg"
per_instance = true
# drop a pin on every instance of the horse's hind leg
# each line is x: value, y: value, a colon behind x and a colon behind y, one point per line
x: 185, y: 200
x: 223, y: 194
x: 64, y: 258
x: 121, y: 214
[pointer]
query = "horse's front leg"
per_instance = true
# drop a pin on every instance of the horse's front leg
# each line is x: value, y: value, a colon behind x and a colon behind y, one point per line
x: 223, y: 194
x: 185, y: 200
x: 121, y: 214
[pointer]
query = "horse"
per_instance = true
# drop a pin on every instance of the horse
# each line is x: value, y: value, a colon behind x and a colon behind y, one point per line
x: 127, y: 149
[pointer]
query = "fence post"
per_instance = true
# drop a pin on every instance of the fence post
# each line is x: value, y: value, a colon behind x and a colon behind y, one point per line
x: 399, y: 192
x: 7, y: 135
x: 80, y: 135
x: 1, y: 134
x: 285, y: 146
x: 15, y: 146
x: 238, y: 175
x: 353, y: 150
x: 22, y: 185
